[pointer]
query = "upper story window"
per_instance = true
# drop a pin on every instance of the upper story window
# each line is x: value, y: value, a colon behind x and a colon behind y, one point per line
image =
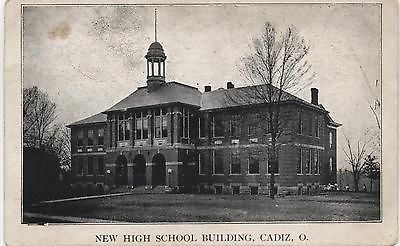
x: 80, y: 138
x: 202, y: 127
x: 141, y: 125
x: 330, y: 140
x: 160, y: 124
x: 300, y: 122
x: 185, y: 123
x: 316, y: 126
x: 100, y: 136
x: 235, y: 125
x: 218, y: 128
x: 307, y: 124
x: 124, y: 127
x: 90, y: 137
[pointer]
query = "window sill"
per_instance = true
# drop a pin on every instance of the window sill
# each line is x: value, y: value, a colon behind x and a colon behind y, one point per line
x: 276, y: 174
x: 89, y: 175
x: 235, y: 174
x: 218, y: 174
x: 220, y: 137
x: 253, y: 174
x: 300, y: 174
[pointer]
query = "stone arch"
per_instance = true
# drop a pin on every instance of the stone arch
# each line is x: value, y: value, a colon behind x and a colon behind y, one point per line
x: 121, y: 171
x: 139, y: 170
x: 158, y: 170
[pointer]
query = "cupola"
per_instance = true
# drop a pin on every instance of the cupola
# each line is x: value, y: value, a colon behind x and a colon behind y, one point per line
x: 155, y: 62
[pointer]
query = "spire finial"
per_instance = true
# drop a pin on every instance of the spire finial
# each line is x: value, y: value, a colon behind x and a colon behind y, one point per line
x: 155, y: 25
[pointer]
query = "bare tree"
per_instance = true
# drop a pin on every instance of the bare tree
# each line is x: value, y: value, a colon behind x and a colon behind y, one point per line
x: 38, y: 117
x: 354, y: 157
x: 276, y: 64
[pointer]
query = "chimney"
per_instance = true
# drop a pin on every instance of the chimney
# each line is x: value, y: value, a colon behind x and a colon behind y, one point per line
x: 230, y: 85
x: 314, y: 96
x: 207, y: 88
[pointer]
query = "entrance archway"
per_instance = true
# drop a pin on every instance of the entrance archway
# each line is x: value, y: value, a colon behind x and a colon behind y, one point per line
x: 121, y: 171
x: 139, y: 171
x: 158, y: 172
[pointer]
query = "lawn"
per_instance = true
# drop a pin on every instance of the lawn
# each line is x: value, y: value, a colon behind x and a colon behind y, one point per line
x: 220, y: 208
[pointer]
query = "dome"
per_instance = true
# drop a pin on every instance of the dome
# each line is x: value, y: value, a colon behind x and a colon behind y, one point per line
x: 155, y: 50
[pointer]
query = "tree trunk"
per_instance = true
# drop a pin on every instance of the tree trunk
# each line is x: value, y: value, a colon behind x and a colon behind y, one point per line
x: 370, y: 184
x: 356, y: 189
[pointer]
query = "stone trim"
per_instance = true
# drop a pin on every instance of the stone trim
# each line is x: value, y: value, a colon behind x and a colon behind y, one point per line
x: 89, y: 153
x: 148, y: 164
x: 173, y: 163
x: 310, y: 146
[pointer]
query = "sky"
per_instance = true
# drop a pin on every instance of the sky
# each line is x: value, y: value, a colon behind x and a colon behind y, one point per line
x: 87, y: 58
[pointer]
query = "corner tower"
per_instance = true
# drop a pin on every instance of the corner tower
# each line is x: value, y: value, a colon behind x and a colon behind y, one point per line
x: 155, y: 62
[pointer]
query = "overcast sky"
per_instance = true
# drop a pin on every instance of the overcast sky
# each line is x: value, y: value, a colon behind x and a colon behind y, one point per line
x: 88, y: 58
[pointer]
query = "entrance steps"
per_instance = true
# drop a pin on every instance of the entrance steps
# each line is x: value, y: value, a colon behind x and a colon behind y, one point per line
x: 140, y: 189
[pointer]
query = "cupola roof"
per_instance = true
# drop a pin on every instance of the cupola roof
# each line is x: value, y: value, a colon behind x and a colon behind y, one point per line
x: 155, y: 50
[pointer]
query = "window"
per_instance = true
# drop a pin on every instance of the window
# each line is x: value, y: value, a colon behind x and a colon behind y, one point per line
x: 185, y: 123
x: 80, y: 167
x: 235, y: 190
x: 300, y: 123
x: 299, y: 162
x: 235, y: 163
x: 160, y: 123
x: 331, y: 164
x: 253, y: 190
x: 202, y: 164
x: 307, y: 155
x: 164, y: 132
x: 254, y: 165
x: 316, y: 162
x: 124, y: 128
x: 273, y: 164
x: 307, y: 127
x: 202, y: 127
x: 141, y: 125
x: 218, y: 162
x: 316, y: 120
x: 218, y: 189
x: 80, y: 138
x: 100, y: 136
x: 100, y: 165
x: 157, y: 124
x: 218, y: 129
x: 90, y: 137
x: 330, y: 140
x: 235, y: 126
x: 90, y: 166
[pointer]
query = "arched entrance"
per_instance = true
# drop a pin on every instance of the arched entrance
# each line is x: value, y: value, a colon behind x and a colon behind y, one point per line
x: 158, y: 172
x: 139, y: 171
x: 121, y: 171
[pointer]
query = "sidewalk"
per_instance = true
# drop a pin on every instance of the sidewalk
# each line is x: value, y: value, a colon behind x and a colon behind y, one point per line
x: 66, y: 219
x: 84, y: 198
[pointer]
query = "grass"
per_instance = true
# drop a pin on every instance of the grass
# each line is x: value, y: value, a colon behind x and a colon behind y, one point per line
x: 220, y: 208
